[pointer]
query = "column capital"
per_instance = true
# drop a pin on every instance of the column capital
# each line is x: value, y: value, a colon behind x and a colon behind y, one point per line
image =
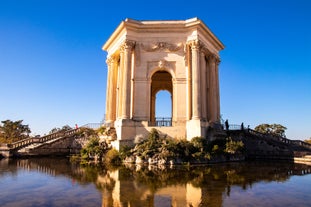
x: 127, y: 45
x: 213, y: 58
x: 111, y: 60
x: 195, y: 44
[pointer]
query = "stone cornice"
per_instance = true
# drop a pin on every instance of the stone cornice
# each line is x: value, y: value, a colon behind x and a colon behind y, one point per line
x: 179, y: 26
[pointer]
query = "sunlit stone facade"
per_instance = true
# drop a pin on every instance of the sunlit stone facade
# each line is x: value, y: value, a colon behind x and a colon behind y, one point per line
x: 144, y: 57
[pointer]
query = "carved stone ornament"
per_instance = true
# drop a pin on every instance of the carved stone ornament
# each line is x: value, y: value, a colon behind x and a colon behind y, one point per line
x: 161, y: 64
x: 196, y: 44
x: 111, y: 60
x: 127, y: 44
x: 214, y: 58
x: 162, y: 46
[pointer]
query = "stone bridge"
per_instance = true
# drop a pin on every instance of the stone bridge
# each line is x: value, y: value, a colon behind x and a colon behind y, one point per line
x: 58, y: 143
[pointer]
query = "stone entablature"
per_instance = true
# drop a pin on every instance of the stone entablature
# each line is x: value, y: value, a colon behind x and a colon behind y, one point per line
x: 147, y: 56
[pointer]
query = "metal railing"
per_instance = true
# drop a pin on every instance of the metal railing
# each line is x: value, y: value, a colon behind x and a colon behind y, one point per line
x: 269, y: 136
x: 280, y: 139
x: 162, y: 122
x: 92, y: 125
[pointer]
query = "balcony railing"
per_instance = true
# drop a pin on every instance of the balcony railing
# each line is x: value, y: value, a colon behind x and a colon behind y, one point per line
x: 162, y: 122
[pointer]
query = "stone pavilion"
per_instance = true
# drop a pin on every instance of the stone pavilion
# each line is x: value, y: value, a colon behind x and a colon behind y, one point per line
x: 145, y: 57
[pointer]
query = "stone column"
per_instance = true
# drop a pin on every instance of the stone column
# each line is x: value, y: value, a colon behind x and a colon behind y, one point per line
x: 127, y: 48
x: 217, y: 89
x: 195, y: 62
x: 189, y: 82
x: 203, y: 84
x: 119, y: 85
x: 109, y: 91
x: 214, y: 89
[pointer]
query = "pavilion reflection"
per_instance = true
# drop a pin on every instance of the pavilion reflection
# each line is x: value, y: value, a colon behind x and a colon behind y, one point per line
x: 188, y: 186
x: 151, y: 186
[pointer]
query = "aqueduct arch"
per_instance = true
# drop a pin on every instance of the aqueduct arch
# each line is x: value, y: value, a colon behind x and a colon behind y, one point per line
x: 144, y: 57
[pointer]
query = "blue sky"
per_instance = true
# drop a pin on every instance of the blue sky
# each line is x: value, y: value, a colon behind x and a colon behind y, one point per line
x: 53, y: 71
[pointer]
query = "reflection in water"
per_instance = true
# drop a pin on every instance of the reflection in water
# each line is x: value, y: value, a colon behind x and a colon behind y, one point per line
x: 234, y: 184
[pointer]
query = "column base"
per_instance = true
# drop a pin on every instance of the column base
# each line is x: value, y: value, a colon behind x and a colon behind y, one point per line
x: 196, y: 128
x: 125, y: 129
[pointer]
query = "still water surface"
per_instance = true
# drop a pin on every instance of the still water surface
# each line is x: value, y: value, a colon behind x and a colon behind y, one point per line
x: 57, y: 182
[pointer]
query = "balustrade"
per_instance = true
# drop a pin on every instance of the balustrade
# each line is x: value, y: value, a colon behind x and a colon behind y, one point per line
x: 162, y: 122
x: 29, y: 141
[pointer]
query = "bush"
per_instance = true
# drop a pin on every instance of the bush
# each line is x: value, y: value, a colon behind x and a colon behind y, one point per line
x: 94, y: 149
x: 125, y: 151
x: 233, y: 147
x: 112, y: 157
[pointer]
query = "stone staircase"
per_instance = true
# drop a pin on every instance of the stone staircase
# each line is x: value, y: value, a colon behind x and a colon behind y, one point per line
x: 304, y: 160
x: 55, y: 143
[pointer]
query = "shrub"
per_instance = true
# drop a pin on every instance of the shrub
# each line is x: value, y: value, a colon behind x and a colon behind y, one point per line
x: 101, y: 130
x: 94, y: 149
x: 112, y: 157
x: 233, y: 147
x: 125, y: 151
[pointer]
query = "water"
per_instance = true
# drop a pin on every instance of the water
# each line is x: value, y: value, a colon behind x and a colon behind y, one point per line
x: 57, y: 182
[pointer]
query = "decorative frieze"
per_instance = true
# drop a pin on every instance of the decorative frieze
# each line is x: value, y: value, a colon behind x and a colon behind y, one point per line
x: 161, y: 64
x: 161, y: 46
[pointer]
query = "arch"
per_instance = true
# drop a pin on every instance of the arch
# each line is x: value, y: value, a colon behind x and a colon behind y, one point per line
x: 162, y: 65
x: 160, y: 80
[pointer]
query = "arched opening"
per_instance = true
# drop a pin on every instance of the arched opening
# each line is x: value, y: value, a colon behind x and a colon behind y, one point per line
x: 161, y: 99
x: 163, y: 108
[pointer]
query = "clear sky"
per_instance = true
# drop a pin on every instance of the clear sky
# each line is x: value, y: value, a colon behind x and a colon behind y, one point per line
x: 53, y: 71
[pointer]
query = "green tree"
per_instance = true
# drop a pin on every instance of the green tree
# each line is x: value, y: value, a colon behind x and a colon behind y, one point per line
x: 56, y: 129
x: 275, y: 129
x: 12, y: 131
x: 308, y: 140
x: 94, y: 148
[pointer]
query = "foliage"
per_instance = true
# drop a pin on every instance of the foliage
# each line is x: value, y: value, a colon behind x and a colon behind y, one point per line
x: 233, y: 147
x: 64, y: 128
x: 274, y: 129
x: 87, y: 132
x: 308, y: 140
x: 150, y: 146
x: 93, y: 149
x: 112, y: 157
x: 125, y: 151
x: 159, y: 147
x: 101, y: 130
x: 12, y: 131
x: 200, y: 145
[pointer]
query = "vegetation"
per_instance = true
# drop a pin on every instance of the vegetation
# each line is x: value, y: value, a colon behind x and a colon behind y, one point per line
x: 12, y: 131
x: 274, y: 129
x: 308, y: 140
x: 198, y: 149
x: 98, y: 150
x: 64, y: 128
x: 233, y: 146
x: 159, y: 149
